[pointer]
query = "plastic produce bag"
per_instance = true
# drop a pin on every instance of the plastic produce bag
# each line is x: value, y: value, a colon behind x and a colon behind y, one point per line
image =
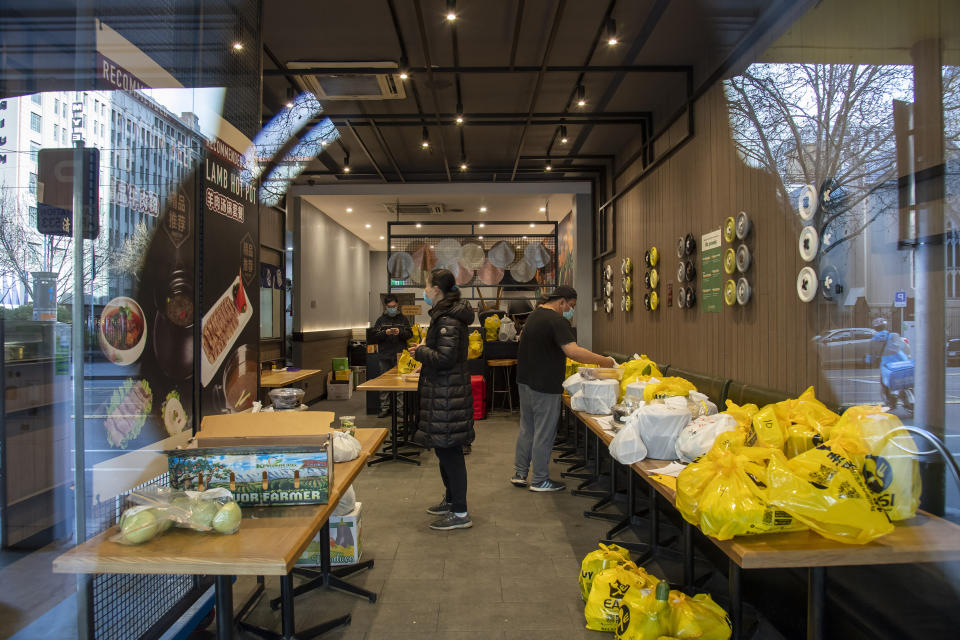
x: 599, y: 396
x: 598, y: 560
x: 508, y: 330
x: 697, y: 437
x: 609, y: 588
x: 476, y: 346
x: 743, y: 414
x: 644, y: 614
x: 824, y: 488
x: 158, y: 508
x: 347, y: 503
x: 668, y: 386
x: 725, y: 491
x: 635, y: 389
x: 767, y: 429
x: 418, y: 334
x: 345, y: 446
x: 627, y: 446
x: 491, y: 327
x: 573, y: 383
x: 141, y: 524
x: 698, y: 617
x: 700, y: 404
x: 806, y: 422
x: 659, y: 425
x: 890, y: 468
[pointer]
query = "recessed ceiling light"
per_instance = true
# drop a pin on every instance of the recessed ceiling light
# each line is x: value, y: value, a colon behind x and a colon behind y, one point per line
x: 349, y: 209
x: 368, y: 225
x: 419, y: 225
x: 483, y: 209
x: 481, y: 225
x: 463, y: 166
x: 238, y: 46
x: 431, y: 246
x: 531, y: 225
x: 392, y: 247
x: 451, y: 10
x: 543, y: 209
x: 480, y: 237
x: 523, y: 238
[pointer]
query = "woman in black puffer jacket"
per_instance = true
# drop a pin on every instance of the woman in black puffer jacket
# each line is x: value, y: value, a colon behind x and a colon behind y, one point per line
x: 446, y: 396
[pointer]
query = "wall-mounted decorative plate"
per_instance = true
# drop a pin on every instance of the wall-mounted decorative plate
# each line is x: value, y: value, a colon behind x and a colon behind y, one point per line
x: 730, y: 293
x: 729, y: 261
x: 608, y: 271
x: 830, y: 285
x: 629, y: 302
x: 681, y: 297
x: 626, y: 266
x: 608, y: 305
x: 654, y: 278
x: 809, y: 243
x: 608, y: 288
x: 730, y: 229
x: 743, y: 225
x: 807, y: 284
x: 807, y: 202
x: 691, y: 297
x: 743, y: 291
x: 646, y: 301
x: 743, y: 258
x: 654, y: 256
x: 691, y: 271
x: 681, y: 271
x: 654, y: 301
x: 690, y: 244
x: 681, y: 247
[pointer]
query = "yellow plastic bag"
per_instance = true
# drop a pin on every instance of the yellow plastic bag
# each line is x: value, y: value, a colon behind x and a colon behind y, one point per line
x: 823, y: 487
x: 668, y: 386
x: 609, y: 588
x: 572, y: 367
x: 636, y: 370
x: 476, y: 346
x: 743, y: 414
x: 417, y: 335
x: 491, y: 328
x: 644, y: 614
x: 598, y: 560
x: 806, y: 422
x: 698, y: 617
x: 767, y: 429
x: 890, y: 468
x: 724, y: 492
x: 406, y: 363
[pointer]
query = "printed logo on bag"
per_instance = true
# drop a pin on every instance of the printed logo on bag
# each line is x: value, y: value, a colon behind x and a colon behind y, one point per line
x: 443, y: 331
x: 877, y: 473
x: 756, y: 481
x: 618, y: 589
x: 623, y: 623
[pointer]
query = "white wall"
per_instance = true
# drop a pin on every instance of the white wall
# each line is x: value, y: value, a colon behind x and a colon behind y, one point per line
x: 378, y: 283
x: 331, y: 273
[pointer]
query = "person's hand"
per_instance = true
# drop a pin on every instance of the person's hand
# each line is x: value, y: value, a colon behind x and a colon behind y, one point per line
x: 413, y: 350
x: 393, y: 332
x: 608, y: 362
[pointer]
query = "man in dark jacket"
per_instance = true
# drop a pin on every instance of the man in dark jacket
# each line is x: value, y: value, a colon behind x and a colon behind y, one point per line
x: 446, y: 396
x: 390, y: 332
x: 545, y: 344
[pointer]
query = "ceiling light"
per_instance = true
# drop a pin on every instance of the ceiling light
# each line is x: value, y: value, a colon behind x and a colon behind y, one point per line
x: 425, y: 139
x: 393, y: 246
x: 291, y: 94
x: 419, y: 225
x: 451, y: 10
x: 346, y: 163
x: 459, y: 113
x: 531, y: 225
x: 238, y: 46
x: 367, y: 225
x: 479, y: 237
x: 463, y: 166
x: 289, y: 248
x: 404, y: 74
x: 542, y: 210
x: 612, y: 32
x: 483, y: 209
x: 523, y: 237
x: 349, y: 209
x: 581, y: 96
x: 548, y: 166
x: 481, y: 225
x: 381, y: 237
x: 563, y: 134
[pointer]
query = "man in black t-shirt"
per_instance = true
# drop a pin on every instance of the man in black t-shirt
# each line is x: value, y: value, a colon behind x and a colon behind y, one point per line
x: 547, y: 340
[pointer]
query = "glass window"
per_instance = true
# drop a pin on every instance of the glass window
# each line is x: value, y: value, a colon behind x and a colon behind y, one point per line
x: 35, y: 121
x: 36, y: 98
x: 33, y: 184
x: 33, y: 217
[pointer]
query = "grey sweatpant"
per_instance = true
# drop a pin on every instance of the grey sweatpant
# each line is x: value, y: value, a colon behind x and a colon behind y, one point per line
x: 539, y: 417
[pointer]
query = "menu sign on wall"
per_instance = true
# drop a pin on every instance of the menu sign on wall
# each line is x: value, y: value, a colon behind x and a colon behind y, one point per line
x: 229, y: 348
x: 710, y: 283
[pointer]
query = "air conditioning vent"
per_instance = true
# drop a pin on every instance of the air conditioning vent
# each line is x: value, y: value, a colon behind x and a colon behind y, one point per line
x: 414, y: 209
x: 351, y: 86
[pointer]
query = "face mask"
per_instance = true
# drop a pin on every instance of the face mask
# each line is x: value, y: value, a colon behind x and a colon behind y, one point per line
x: 427, y: 299
x: 568, y: 314
x: 392, y: 311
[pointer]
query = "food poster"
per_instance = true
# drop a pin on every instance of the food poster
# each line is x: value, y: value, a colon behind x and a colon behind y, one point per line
x: 229, y: 314
x: 710, y: 282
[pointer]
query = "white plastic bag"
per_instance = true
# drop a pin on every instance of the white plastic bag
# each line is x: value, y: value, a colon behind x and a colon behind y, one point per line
x: 508, y: 330
x: 599, y: 396
x: 345, y: 447
x: 627, y: 446
x: 659, y: 425
x: 635, y: 389
x: 700, y: 404
x: 348, y: 501
x: 697, y: 437
x: 572, y: 384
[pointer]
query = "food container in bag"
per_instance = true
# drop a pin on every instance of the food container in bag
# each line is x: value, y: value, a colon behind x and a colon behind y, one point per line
x: 600, y: 373
x: 286, y: 398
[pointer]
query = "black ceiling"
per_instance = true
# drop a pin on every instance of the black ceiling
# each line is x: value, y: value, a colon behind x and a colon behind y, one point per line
x: 515, y: 65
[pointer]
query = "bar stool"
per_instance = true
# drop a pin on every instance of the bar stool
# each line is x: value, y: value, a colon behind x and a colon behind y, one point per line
x: 504, y: 366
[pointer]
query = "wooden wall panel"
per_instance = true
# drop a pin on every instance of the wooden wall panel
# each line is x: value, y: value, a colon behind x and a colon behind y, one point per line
x: 767, y: 342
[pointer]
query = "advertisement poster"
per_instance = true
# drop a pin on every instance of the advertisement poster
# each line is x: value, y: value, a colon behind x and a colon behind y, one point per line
x: 230, y: 324
x: 566, y: 262
x: 710, y: 283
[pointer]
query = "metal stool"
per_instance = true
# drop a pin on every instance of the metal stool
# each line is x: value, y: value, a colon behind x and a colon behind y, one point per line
x: 505, y: 366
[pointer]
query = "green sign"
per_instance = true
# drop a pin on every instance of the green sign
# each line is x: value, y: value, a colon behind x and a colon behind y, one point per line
x: 396, y: 283
x: 710, y: 283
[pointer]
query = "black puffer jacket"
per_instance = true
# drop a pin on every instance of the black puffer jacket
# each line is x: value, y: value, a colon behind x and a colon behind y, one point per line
x: 446, y: 396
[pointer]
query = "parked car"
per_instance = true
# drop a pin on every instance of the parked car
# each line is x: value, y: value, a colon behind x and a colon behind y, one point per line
x: 953, y: 351
x: 844, y: 347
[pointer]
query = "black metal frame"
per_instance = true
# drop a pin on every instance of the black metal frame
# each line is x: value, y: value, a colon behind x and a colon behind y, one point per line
x: 391, y: 451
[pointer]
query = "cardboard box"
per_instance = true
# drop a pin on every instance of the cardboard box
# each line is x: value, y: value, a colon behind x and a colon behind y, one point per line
x: 339, y: 390
x: 341, y: 364
x: 344, y: 375
x: 265, y: 429
x: 285, y: 475
x: 345, y: 541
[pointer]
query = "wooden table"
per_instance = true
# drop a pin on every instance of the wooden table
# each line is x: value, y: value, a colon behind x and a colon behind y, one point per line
x: 923, y: 538
x: 393, y: 383
x: 276, y: 379
x: 269, y: 542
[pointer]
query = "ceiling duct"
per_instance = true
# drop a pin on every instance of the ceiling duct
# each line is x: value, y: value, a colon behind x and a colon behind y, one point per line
x: 351, y: 86
x: 414, y: 209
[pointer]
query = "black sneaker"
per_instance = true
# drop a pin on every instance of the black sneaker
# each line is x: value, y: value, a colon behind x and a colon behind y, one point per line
x: 452, y: 521
x: 548, y: 485
x: 518, y: 480
x: 441, y: 509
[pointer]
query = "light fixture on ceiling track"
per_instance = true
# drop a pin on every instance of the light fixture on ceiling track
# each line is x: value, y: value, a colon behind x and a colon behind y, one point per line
x: 238, y: 46
x: 543, y: 209
x: 612, y: 38
x: 291, y: 94
x: 482, y: 225
x: 349, y: 209
x: 346, y: 162
x: 424, y: 139
x: 404, y: 69
x: 483, y: 210
x: 459, y: 113
x: 451, y: 10
x: 549, y: 165
x: 563, y: 134
x: 581, y: 96
x: 463, y: 163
